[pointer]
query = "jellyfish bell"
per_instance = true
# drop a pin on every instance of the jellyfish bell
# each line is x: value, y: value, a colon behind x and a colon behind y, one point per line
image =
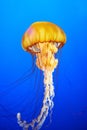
x: 40, y: 32
x: 43, y: 39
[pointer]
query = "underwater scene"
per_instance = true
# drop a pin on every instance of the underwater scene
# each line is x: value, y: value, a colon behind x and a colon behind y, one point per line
x: 43, y: 65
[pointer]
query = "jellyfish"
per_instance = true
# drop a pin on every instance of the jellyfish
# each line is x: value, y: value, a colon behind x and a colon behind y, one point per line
x: 43, y: 39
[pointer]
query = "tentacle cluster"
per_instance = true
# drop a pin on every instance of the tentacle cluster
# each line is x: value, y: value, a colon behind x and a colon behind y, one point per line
x: 46, y: 62
x: 48, y: 104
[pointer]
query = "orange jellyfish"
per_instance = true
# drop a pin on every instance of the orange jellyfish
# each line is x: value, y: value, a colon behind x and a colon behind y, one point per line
x: 43, y: 39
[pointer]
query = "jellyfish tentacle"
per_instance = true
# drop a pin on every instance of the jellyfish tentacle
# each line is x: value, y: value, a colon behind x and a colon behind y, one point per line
x: 47, y: 54
x: 37, y: 123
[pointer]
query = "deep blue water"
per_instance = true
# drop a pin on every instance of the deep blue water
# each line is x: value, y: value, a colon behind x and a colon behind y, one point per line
x: 21, y: 82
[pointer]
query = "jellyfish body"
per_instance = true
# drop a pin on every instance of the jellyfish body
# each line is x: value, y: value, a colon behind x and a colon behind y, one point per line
x: 43, y: 39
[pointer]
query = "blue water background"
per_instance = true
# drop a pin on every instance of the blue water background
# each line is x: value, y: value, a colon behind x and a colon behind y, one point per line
x: 70, y: 78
